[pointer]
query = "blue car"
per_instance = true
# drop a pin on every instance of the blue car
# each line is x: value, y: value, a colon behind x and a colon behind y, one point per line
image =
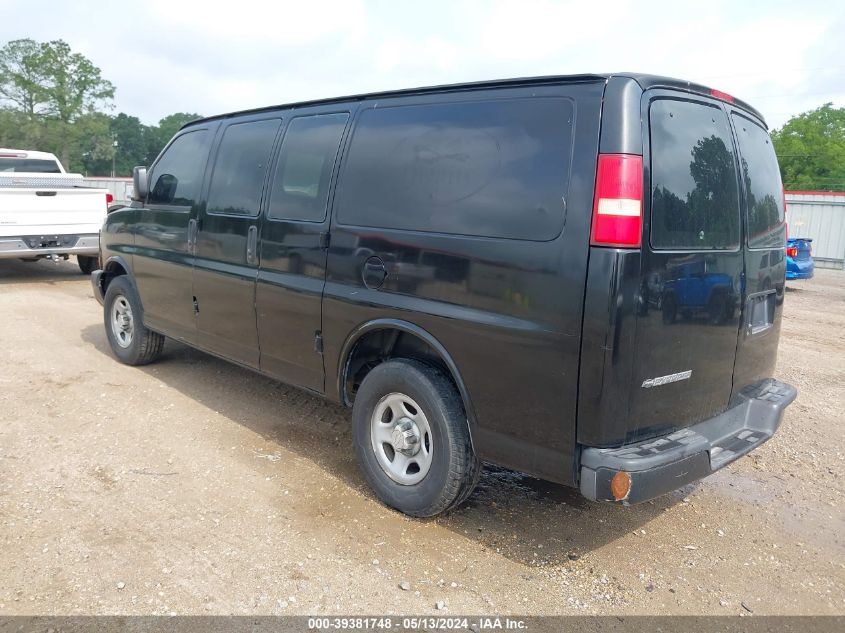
x: 799, y: 260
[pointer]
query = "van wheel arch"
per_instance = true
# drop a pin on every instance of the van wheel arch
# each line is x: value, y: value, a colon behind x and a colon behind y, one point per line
x: 388, y: 339
x: 114, y: 267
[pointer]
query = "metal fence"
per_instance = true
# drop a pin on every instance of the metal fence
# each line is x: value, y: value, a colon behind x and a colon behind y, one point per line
x: 820, y: 216
x: 120, y: 188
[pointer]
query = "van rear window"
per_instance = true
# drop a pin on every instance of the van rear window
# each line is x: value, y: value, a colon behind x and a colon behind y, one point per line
x: 485, y: 168
x: 763, y: 187
x: 29, y: 165
x: 694, y: 194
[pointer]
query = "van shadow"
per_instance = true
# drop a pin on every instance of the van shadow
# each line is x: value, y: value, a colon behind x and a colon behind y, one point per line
x: 527, y: 520
x: 15, y: 271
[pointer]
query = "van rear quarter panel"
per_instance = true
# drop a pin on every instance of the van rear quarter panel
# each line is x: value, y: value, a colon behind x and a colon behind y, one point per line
x: 508, y: 312
x: 626, y: 337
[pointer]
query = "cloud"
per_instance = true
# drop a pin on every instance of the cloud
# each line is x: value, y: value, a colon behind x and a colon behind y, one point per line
x: 210, y: 56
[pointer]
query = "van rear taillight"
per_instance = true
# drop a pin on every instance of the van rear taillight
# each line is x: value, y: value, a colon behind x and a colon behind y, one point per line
x: 618, y: 206
x: 792, y: 251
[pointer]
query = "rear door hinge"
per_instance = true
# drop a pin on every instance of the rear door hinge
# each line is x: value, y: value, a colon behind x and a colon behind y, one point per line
x: 325, y: 239
x: 318, y: 342
x: 196, y: 306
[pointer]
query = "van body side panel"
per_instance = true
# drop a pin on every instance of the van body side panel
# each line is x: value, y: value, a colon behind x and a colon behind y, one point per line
x: 607, y: 346
x: 611, y: 294
x: 226, y: 253
x: 292, y: 273
x: 508, y: 311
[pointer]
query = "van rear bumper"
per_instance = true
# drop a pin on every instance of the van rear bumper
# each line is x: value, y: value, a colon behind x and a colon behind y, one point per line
x: 660, y: 465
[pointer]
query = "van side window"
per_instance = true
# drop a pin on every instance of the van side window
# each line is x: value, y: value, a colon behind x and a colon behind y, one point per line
x: 176, y: 176
x: 485, y: 168
x: 694, y: 194
x: 304, y: 169
x: 763, y: 188
x: 241, y: 165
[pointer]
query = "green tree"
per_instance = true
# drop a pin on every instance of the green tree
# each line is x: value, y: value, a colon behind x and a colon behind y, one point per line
x: 167, y: 127
x: 22, y: 79
x: 91, y: 147
x: 131, y: 136
x: 18, y: 130
x: 59, y: 92
x: 74, y: 85
x: 811, y: 150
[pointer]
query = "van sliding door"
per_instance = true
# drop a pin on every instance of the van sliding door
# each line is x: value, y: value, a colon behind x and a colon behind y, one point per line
x: 226, y: 262
x: 294, y: 240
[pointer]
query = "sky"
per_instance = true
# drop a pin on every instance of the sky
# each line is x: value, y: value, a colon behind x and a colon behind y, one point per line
x: 209, y: 57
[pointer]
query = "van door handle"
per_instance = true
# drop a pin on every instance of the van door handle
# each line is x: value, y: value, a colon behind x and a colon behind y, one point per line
x: 192, y: 235
x: 252, y: 245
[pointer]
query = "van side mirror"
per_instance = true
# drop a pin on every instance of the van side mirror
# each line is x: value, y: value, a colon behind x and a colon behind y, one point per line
x: 140, y: 184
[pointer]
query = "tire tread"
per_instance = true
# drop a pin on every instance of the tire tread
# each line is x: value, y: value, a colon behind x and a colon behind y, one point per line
x: 464, y: 468
x: 149, y: 343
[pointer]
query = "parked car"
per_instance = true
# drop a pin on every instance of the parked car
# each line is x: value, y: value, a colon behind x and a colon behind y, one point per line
x: 46, y: 212
x: 463, y: 266
x: 693, y: 290
x: 799, y: 258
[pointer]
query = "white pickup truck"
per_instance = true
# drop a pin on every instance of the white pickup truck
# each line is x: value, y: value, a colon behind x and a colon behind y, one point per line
x: 46, y: 212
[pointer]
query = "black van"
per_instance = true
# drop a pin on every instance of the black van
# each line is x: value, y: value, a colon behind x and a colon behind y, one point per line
x: 559, y: 275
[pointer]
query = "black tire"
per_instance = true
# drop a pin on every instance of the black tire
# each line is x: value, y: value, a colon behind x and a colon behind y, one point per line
x: 144, y: 345
x: 454, y: 468
x: 86, y: 264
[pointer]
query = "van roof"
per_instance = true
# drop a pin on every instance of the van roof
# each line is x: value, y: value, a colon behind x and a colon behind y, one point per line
x: 644, y: 80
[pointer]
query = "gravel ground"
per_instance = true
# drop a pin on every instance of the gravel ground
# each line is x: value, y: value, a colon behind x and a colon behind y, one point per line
x: 193, y: 486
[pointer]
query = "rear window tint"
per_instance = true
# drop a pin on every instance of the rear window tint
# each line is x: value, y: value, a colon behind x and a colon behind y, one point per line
x: 242, y: 161
x: 301, y: 183
x: 29, y: 165
x: 694, y: 195
x: 488, y: 169
x: 763, y: 187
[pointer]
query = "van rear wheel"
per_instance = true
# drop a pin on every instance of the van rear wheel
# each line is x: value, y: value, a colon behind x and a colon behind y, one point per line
x: 412, y: 439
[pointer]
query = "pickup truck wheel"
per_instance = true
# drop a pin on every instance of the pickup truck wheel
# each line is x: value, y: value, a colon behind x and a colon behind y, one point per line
x: 412, y: 440
x: 86, y: 264
x: 131, y: 342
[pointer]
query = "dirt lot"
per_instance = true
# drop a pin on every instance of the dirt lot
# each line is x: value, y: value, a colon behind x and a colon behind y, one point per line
x: 194, y: 486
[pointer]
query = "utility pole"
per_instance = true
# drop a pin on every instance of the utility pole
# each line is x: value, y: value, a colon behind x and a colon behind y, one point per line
x: 113, y: 155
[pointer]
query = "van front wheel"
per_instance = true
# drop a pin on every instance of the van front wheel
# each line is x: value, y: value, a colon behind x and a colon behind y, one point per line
x: 131, y: 342
x: 412, y: 440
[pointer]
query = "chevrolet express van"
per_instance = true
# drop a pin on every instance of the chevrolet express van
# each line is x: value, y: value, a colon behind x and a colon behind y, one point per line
x: 557, y: 275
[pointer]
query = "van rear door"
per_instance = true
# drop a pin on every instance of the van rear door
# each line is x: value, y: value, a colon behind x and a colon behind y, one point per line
x: 764, y: 248
x: 691, y: 286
